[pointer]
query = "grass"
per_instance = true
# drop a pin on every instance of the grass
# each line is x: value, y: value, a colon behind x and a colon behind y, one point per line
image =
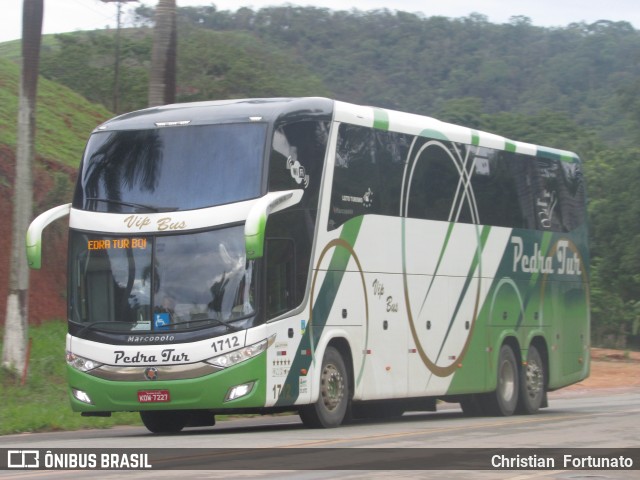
x: 41, y: 404
x: 64, y: 118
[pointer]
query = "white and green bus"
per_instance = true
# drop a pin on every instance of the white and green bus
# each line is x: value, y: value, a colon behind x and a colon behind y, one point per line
x: 310, y: 255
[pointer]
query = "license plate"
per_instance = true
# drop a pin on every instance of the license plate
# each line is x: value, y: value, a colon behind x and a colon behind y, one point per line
x: 153, y: 396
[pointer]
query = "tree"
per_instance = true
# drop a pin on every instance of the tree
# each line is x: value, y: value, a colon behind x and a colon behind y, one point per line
x: 16, y: 320
x: 162, y: 80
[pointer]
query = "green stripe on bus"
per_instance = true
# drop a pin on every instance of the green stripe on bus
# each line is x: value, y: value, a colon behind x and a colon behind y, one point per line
x: 320, y: 312
x: 435, y: 134
x: 380, y: 119
x: 475, y: 264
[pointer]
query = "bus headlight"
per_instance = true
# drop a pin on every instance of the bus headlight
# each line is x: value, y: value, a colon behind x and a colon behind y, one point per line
x: 245, y: 353
x: 81, y: 363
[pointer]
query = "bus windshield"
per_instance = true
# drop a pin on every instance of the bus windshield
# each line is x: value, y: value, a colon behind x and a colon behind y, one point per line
x: 171, y: 168
x: 157, y: 283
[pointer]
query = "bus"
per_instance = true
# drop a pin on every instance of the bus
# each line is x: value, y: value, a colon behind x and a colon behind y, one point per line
x: 314, y: 256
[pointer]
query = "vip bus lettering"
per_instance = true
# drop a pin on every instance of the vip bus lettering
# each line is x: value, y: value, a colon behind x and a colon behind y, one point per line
x: 162, y: 224
x: 136, y: 221
x: 168, y: 224
x: 378, y: 288
x: 392, y: 307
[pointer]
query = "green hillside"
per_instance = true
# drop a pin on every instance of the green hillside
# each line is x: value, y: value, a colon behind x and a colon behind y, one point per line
x: 64, y: 118
x: 211, y: 65
x: 442, y: 67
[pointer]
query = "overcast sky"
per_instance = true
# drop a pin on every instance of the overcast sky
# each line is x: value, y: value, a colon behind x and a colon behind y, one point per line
x: 72, y: 15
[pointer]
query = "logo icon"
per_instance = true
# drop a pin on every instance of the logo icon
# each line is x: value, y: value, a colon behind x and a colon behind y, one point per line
x: 151, y: 373
x: 367, y: 198
x: 298, y: 172
x: 23, y: 458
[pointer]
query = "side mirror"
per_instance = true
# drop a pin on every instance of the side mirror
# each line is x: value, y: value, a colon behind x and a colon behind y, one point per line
x: 257, y: 219
x: 34, y: 233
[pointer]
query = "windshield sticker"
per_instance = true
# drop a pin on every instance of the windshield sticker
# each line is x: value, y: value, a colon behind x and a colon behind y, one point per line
x: 161, y: 321
x: 365, y: 200
x: 303, y: 385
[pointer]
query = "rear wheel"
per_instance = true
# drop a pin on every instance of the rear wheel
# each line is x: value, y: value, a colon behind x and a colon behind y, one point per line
x: 532, y: 383
x: 504, y: 400
x: 164, y: 421
x: 333, y: 402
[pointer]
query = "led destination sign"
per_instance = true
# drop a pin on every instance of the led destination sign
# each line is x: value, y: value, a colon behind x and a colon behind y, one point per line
x: 117, y: 244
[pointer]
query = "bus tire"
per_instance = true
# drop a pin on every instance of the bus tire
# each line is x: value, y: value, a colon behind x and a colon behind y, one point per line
x: 532, y: 383
x: 164, y: 421
x: 331, y: 408
x: 504, y: 400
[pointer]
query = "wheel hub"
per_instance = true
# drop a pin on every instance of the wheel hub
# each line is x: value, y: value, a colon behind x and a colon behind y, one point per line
x: 332, y: 387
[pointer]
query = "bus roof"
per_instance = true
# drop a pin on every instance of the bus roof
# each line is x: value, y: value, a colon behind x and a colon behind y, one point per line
x: 412, y: 124
x: 222, y: 111
x: 290, y: 109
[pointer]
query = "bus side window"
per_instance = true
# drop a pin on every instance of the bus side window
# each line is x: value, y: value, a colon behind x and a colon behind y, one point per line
x: 280, y: 286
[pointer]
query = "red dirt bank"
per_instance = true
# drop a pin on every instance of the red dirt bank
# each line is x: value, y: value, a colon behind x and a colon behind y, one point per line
x: 47, y: 298
x: 611, y: 369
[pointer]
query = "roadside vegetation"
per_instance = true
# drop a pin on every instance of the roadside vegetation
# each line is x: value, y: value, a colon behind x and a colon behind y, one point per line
x: 64, y: 117
x: 41, y: 403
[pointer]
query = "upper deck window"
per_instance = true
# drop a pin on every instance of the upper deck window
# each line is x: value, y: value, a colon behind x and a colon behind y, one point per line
x: 171, y: 169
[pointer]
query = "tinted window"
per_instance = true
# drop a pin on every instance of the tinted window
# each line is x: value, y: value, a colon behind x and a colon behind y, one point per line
x: 176, y: 168
x: 296, y: 162
x: 367, y: 177
x: 559, y: 195
x: 160, y: 283
x: 435, y: 186
x: 501, y: 183
x: 297, y: 159
x: 446, y: 181
x: 571, y: 195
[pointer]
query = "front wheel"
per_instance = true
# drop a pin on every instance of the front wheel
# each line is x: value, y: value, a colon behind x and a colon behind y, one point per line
x: 504, y: 400
x: 532, y: 383
x: 333, y: 402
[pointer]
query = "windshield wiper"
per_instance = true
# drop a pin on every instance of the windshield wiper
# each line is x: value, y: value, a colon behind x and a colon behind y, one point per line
x: 233, y: 328
x: 91, y: 325
x: 172, y: 326
x: 140, y: 206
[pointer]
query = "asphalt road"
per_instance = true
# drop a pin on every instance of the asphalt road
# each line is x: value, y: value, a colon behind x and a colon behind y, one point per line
x: 606, y: 419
